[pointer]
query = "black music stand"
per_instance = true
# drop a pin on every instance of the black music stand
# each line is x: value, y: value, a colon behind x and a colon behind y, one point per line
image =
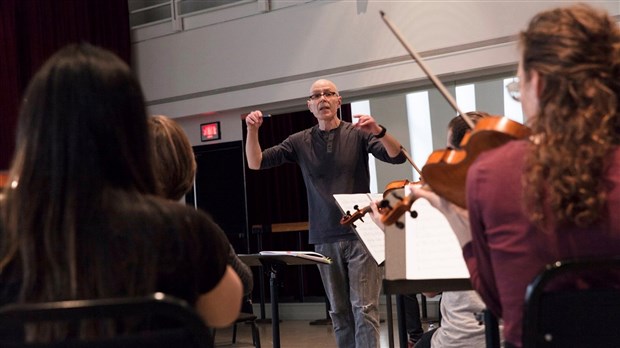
x: 275, y: 264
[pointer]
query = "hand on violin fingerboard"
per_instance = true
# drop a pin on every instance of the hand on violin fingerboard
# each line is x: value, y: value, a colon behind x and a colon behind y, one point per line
x: 349, y: 218
x: 375, y: 214
x: 394, y: 211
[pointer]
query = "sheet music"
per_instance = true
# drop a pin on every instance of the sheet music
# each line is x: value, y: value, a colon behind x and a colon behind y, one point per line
x: 433, y: 250
x: 309, y: 255
x: 369, y: 233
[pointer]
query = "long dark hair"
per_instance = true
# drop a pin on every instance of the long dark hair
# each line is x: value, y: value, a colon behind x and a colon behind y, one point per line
x: 576, y: 51
x: 82, y: 133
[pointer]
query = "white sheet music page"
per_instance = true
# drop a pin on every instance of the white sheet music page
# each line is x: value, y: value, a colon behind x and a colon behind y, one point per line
x: 433, y: 252
x: 369, y: 233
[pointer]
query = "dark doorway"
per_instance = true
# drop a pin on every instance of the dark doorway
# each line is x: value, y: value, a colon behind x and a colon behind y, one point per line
x: 220, y: 189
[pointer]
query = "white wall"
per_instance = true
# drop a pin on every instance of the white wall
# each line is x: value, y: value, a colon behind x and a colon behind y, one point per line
x: 215, y: 71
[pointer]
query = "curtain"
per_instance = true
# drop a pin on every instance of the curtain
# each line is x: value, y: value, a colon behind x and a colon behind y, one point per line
x: 32, y: 30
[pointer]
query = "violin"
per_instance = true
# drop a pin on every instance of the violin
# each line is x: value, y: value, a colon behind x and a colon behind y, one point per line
x: 394, y: 185
x: 395, y: 212
x: 445, y: 171
x: 349, y: 218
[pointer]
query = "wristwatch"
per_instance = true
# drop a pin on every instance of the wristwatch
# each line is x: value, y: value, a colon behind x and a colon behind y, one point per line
x: 382, y: 133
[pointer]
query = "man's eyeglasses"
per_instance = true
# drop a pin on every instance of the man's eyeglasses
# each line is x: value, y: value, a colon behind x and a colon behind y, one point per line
x: 317, y: 96
x: 513, y: 89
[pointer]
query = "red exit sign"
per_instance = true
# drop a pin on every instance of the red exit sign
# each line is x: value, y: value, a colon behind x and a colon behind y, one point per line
x: 210, y: 131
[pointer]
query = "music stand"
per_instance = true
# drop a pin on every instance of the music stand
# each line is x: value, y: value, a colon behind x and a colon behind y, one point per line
x: 275, y: 263
x: 430, y: 273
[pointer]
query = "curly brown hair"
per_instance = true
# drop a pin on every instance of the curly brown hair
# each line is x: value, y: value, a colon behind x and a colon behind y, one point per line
x: 576, y: 52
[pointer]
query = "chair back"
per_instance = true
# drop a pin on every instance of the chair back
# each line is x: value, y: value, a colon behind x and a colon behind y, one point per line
x: 176, y: 324
x: 586, y: 315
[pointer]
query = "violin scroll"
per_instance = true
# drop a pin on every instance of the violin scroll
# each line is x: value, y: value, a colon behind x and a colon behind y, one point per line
x: 403, y: 205
x: 394, y: 213
x: 349, y: 219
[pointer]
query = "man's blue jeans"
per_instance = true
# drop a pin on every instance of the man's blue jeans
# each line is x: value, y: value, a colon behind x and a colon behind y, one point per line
x: 353, y: 284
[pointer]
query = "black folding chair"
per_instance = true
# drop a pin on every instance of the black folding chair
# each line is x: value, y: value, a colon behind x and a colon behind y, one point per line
x: 570, y: 317
x: 491, y: 329
x: 160, y: 321
x: 246, y: 316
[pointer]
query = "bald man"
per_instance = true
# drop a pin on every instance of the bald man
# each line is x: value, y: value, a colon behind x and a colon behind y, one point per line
x: 333, y: 157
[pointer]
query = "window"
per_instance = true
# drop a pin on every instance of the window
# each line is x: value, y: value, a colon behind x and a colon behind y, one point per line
x: 420, y: 132
x: 512, y: 108
x: 153, y: 11
x: 363, y: 107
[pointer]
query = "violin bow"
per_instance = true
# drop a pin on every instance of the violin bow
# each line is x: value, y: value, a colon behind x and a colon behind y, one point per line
x: 411, y: 161
x: 438, y: 84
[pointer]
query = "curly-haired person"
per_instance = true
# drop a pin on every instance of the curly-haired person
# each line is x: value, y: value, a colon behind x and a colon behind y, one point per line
x: 555, y: 195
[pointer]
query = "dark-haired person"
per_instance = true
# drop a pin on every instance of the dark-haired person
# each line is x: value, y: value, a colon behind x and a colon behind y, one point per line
x: 459, y: 326
x: 175, y: 168
x: 555, y: 195
x: 333, y: 157
x: 80, y: 219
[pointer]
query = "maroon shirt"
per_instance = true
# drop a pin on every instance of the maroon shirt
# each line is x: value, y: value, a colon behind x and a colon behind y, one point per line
x: 507, y: 251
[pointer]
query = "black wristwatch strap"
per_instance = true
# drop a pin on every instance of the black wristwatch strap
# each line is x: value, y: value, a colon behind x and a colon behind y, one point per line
x: 382, y: 133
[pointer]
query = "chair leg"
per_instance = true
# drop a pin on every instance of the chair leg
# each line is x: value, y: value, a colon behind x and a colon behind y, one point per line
x: 255, y: 335
x: 234, y: 333
x: 491, y: 329
x: 212, y: 331
x: 212, y: 338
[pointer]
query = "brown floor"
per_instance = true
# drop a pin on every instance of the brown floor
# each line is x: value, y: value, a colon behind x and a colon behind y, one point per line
x: 293, y: 334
